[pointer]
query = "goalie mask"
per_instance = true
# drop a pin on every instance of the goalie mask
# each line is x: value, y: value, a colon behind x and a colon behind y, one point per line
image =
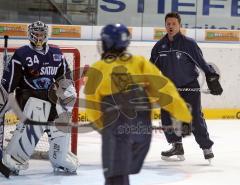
x: 115, y: 38
x: 38, y: 34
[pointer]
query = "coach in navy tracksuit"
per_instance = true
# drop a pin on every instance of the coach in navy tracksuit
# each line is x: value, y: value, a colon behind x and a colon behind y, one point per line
x: 177, y: 56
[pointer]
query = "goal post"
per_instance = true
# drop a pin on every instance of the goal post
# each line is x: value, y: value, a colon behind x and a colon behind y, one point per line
x: 73, y: 58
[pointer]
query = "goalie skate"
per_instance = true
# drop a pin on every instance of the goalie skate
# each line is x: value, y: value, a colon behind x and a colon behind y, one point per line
x: 63, y: 172
x: 176, y: 153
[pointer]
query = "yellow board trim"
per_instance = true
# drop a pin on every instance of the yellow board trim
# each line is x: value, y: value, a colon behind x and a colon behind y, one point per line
x: 211, y: 114
x: 222, y: 113
x: 10, y: 118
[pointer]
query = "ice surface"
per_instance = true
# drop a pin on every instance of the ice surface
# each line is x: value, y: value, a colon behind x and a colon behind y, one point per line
x: 225, y: 168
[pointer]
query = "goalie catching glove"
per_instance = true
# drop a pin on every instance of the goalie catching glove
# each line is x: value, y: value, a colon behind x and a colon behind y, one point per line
x: 213, y: 83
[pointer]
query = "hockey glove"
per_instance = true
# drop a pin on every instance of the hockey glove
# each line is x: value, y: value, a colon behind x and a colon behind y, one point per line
x: 213, y: 84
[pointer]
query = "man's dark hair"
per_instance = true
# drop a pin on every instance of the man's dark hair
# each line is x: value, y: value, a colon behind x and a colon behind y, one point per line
x: 173, y: 15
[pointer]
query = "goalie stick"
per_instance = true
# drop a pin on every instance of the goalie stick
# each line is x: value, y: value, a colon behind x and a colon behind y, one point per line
x: 3, y: 169
x: 88, y: 127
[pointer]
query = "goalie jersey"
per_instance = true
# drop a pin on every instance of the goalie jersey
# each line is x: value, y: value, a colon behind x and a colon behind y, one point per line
x: 33, y: 69
x: 31, y: 73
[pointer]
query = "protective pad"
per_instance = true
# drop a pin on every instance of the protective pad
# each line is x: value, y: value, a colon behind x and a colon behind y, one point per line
x: 26, y: 137
x: 37, y: 109
x: 59, y: 154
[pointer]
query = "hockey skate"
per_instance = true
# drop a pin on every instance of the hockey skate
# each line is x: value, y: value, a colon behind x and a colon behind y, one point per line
x: 176, y: 150
x: 14, y: 164
x: 208, y: 154
x: 63, y: 171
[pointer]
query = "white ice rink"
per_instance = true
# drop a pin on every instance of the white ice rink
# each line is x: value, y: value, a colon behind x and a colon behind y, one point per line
x: 225, y: 168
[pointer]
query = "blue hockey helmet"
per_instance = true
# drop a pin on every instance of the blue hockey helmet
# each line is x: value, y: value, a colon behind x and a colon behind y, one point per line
x: 115, y: 37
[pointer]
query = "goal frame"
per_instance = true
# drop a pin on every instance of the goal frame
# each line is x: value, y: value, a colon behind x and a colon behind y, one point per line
x: 76, y: 79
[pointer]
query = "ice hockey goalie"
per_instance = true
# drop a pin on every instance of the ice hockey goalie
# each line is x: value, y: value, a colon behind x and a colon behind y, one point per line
x: 32, y: 70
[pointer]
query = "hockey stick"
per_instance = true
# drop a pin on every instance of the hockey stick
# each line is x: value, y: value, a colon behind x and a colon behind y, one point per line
x: 5, y: 55
x: 178, y: 128
x: 205, y: 91
x: 3, y: 169
x: 190, y: 89
x: 12, y: 104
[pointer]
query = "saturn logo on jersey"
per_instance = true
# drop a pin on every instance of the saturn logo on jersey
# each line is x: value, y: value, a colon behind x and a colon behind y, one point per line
x: 48, y: 70
x: 42, y: 83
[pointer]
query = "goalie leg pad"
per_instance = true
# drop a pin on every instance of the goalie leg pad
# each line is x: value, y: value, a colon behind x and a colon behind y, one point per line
x: 59, y: 154
x: 25, y: 138
x: 21, y: 146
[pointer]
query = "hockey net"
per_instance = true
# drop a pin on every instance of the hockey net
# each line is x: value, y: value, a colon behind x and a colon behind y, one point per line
x: 41, y: 151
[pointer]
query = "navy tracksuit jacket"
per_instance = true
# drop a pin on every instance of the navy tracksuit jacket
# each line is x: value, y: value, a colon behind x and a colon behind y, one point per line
x: 178, y: 60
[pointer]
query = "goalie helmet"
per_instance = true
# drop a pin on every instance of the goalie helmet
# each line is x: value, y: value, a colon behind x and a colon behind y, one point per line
x: 115, y: 38
x: 38, y: 34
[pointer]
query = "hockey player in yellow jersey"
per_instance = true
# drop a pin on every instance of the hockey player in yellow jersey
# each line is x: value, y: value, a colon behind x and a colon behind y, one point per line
x: 121, y: 90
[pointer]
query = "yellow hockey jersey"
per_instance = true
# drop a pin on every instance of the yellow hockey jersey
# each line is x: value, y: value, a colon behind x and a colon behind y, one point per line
x: 102, y: 77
